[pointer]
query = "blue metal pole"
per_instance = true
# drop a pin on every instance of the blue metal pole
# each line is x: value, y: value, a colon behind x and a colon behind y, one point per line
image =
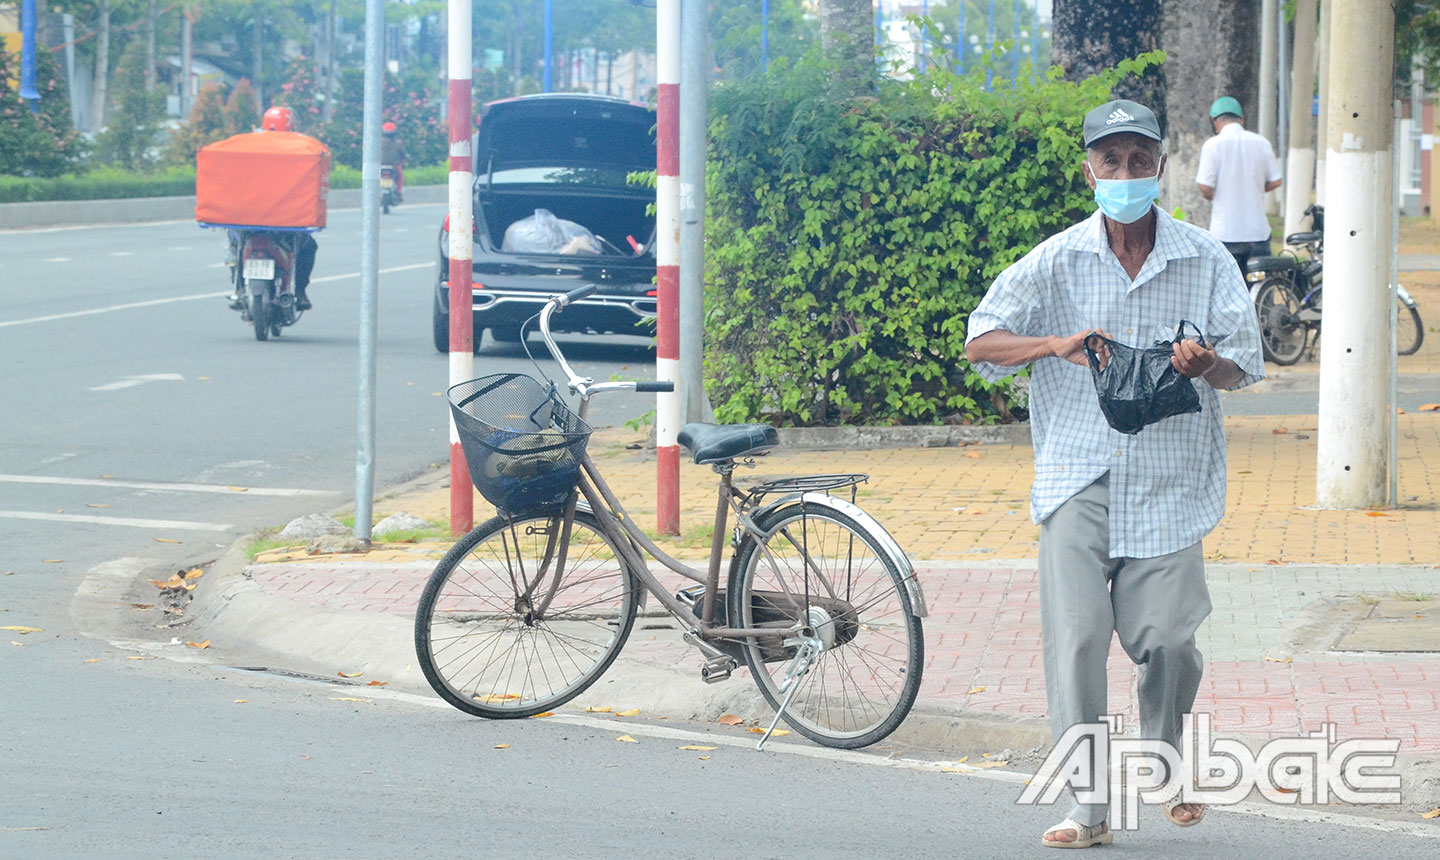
x: 989, y: 44
x: 1035, y: 39
x: 27, y: 56
x: 924, y: 35
x: 549, y: 46
x: 764, y: 35
x: 1015, y: 48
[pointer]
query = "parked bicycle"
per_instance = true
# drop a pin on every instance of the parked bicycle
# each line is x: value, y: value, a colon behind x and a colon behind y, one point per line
x: 530, y: 608
x: 1288, y: 293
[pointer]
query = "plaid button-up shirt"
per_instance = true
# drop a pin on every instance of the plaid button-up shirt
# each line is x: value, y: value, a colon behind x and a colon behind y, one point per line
x: 1167, y: 484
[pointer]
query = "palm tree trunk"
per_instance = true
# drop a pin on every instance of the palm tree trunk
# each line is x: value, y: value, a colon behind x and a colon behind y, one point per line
x: 151, y: 14
x: 256, y: 42
x: 847, y: 34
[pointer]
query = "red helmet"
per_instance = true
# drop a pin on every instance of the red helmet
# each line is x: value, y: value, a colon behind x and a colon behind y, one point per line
x: 388, y: 128
x: 278, y: 118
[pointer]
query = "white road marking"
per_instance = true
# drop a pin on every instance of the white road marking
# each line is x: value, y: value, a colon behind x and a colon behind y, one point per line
x: 154, y: 302
x: 132, y: 381
x: 122, y: 253
x: 132, y: 522
x: 57, y: 259
x: 180, y: 248
x: 162, y: 485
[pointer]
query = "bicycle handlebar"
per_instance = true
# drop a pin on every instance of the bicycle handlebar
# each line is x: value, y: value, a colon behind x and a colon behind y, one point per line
x: 584, y: 385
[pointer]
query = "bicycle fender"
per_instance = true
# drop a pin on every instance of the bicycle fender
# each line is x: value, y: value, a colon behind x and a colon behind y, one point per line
x: 888, y: 544
x: 1404, y: 295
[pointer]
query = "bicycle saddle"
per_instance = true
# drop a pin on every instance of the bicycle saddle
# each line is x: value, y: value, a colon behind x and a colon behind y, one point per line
x: 1302, y: 238
x: 716, y: 443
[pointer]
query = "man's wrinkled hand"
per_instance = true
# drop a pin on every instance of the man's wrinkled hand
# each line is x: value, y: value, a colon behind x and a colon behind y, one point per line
x: 1192, y: 359
x: 1072, y: 348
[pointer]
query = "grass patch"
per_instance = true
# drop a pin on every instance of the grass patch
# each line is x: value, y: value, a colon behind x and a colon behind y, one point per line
x: 266, y: 540
x: 695, y: 537
x: 1415, y: 596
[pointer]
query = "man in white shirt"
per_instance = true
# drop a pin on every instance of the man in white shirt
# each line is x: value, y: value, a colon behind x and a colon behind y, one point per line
x: 1237, y: 168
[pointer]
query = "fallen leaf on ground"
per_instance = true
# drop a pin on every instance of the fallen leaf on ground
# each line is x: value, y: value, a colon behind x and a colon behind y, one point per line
x: 238, y: 489
x: 377, y: 683
x: 1399, y: 411
x: 729, y: 720
x: 349, y: 674
x: 241, y: 701
x: 1376, y: 514
x: 348, y: 699
x: 91, y: 660
x: 139, y: 657
x: 496, y: 697
x: 984, y: 755
x: 141, y: 605
x: 1430, y: 407
x: 695, y: 747
x: 23, y: 630
x: 1279, y: 660
x: 633, y: 712
x: 52, y: 560
x: 1283, y: 790
x: 201, y: 645
x: 174, y: 582
x: 593, y: 710
x: 17, y: 644
x: 704, y: 758
x: 952, y: 770
x: 165, y: 540
x: 974, y: 690
x: 757, y: 730
x: 973, y: 455
x: 626, y: 739
x: 97, y: 506
x: 1434, y: 813
x: 304, y: 756
x: 501, y: 747
x: 539, y: 715
x: 990, y: 764
x: 195, y: 573
x: 1280, y: 431
x: 964, y: 758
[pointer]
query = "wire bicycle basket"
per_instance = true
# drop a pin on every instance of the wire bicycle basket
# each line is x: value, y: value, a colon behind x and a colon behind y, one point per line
x: 522, y: 444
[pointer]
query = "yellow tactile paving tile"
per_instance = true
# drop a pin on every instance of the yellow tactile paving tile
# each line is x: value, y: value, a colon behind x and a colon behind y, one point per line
x: 947, y: 503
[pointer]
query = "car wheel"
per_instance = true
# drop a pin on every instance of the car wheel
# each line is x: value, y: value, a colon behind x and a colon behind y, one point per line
x: 440, y: 327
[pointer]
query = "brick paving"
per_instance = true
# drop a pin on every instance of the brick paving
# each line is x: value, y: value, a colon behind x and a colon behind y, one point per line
x: 983, y: 645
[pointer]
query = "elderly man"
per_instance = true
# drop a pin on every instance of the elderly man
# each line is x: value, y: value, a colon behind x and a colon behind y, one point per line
x: 1121, y: 517
x: 1237, y: 169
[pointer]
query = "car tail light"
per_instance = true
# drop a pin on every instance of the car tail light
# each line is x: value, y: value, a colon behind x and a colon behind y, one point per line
x: 651, y: 293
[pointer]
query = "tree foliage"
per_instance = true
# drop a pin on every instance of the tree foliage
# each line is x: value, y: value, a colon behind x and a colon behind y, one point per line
x: 207, y: 123
x: 31, y: 143
x: 130, y: 141
x: 849, y: 239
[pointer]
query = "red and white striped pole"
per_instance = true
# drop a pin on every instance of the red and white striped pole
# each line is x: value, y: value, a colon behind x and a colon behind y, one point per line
x: 462, y: 363
x: 667, y: 258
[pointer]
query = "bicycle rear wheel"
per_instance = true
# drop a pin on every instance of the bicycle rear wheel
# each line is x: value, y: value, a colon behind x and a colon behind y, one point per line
x: 499, y: 634
x: 1283, y: 334
x: 864, y: 681
x: 1409, y: 331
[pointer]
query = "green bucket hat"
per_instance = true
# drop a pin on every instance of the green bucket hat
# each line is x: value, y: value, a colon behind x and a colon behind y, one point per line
x: 1224, y: 105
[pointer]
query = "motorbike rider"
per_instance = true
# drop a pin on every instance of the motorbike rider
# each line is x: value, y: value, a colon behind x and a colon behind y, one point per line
x: 392, y: 154
x: 281, y: 118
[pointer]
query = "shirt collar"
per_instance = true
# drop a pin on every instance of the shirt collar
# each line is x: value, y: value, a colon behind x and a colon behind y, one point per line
x: 1232, y: 128
x: 1171, y: 243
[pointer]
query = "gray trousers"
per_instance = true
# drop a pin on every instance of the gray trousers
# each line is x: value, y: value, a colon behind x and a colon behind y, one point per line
x: 1154, y: 604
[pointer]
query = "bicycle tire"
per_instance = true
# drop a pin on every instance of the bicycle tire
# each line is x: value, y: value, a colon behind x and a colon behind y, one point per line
x: 473, y: 610
x: 874, y: 611
x: 1283, y: 336
x: 1408, y: 326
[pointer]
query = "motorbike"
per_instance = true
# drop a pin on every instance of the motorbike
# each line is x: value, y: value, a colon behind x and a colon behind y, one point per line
x: 389, y: 195
x: 263, y: 272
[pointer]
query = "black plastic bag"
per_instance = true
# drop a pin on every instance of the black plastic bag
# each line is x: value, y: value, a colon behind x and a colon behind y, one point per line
x: 1139, y: 387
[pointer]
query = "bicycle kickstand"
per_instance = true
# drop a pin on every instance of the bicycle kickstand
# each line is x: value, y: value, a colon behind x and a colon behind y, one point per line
x: 805, y: 653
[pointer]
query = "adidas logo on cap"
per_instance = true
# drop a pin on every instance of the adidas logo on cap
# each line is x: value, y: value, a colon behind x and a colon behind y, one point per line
x: 1119, y: 115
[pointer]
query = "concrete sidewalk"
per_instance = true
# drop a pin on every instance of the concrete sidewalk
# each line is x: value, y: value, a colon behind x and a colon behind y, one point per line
x: 1320, y: 616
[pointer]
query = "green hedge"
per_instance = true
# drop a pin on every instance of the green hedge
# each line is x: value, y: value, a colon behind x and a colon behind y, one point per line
x: 109, y: 183
x: 850, y: 238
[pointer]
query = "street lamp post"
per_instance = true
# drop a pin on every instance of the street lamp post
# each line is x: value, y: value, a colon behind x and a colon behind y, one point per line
x: 549, y: 45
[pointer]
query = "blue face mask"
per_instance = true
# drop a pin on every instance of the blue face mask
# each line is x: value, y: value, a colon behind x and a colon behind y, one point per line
x: 1126, y: 200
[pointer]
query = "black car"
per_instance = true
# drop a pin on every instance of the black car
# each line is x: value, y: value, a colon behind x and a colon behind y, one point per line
x: 554, y: 212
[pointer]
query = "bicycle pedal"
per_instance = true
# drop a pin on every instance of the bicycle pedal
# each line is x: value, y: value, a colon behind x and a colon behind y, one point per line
x: 691, y: 596
x: 718, y: 669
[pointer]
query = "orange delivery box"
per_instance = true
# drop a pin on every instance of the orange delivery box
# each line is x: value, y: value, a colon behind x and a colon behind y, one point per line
x: 263, y: 179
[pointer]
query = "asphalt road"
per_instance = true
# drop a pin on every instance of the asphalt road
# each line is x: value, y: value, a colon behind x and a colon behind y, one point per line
x: 134, y: 401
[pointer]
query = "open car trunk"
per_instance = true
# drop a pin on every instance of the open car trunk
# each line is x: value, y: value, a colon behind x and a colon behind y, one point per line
x: 611, y: 217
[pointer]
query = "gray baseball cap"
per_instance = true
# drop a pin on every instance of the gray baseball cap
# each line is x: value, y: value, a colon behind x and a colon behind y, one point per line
x: 1121, y: 115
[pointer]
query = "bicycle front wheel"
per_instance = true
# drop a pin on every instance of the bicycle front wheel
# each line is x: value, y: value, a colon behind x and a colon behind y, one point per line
x: 1283, y: 334
x: 505, y: 630
x: 820, y: 565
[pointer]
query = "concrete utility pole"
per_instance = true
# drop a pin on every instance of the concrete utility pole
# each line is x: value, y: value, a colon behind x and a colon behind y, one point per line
x: 369, y: 267
x: 1353, y: 444
x: 1266, y: 107
x: 1327, y: 11
x: 462, y: 250
x: 693, y: 85
x: 1300, y: 161
x: 667, y: 264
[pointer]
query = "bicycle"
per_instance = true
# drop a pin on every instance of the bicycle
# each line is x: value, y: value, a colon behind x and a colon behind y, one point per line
x: 1289, y: 293
x: 530, y: 608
